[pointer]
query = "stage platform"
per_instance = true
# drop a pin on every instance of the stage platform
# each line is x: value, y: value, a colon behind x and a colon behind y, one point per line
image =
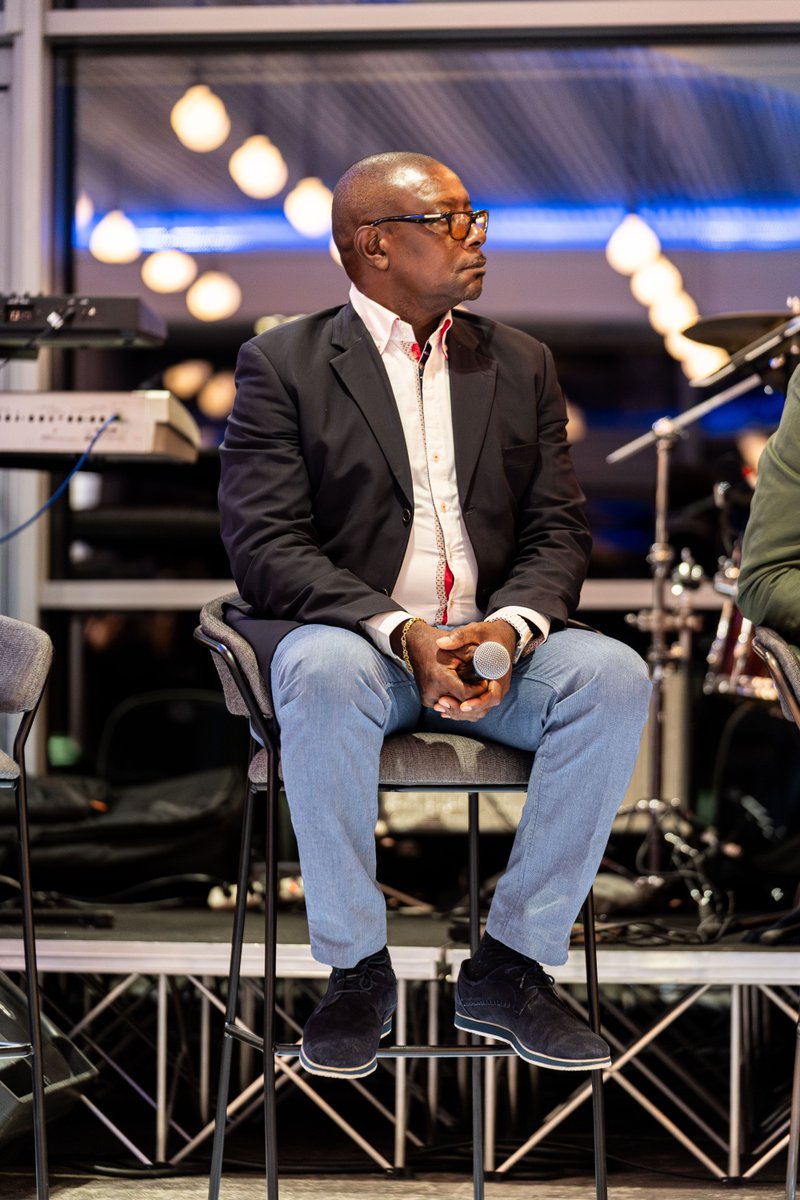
x: 149, y: 950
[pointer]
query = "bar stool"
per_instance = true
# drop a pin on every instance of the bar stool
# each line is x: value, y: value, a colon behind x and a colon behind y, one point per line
x: 784, y: 667
x: 409, y: 762
x: 26, y: 654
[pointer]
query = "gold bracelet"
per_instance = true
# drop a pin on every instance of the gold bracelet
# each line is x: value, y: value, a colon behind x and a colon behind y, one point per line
x: 404, y: 642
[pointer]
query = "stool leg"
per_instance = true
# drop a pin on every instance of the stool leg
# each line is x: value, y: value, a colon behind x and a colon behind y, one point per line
x: 794, y: 1126
x: 474, y: 939
x: 598, y: 1094
x: 270, y: 954
x: 237, y: 941
x: 32, y: 990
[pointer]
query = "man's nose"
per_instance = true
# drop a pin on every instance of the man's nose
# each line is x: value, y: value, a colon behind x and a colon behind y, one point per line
x: 476, y: 234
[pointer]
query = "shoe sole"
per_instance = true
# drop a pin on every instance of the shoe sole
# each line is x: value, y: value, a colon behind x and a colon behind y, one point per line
x: 356, y: 1072
x: 488, y: 1029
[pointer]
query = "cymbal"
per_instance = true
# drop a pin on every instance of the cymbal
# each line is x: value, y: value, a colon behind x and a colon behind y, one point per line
x: 732, y: 331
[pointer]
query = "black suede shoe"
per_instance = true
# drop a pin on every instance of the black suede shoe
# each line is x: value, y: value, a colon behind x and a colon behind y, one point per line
x: 342, y: 1035
x: 517, y: 1003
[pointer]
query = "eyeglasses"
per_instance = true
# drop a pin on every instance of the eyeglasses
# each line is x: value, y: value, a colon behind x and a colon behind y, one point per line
x: 459, y: 224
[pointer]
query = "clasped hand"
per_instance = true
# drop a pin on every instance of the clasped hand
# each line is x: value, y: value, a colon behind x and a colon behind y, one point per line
x: 440, y: 658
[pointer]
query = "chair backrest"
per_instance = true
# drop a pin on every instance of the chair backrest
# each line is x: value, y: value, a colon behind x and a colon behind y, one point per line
x: 25, y: 657
x: 214, y: 626
x: 784, y: 667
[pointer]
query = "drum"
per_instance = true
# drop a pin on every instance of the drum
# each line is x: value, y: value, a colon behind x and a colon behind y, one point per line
x: 734, y: 668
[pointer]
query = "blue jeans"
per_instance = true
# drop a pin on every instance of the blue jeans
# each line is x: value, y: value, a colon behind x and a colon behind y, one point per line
x: 580, y: 701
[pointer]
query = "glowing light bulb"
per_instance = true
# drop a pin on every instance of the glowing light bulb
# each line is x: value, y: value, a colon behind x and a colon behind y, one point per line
x: 200, y: 119
x: 213, y: 297
x: 185, y: 379
x: 168, y: 271
x: 114, y: 239
x: 258, y: 168
x: 704, y: 360
x: 655, y: 281
x: 632, y: 245
x: 333, y: 250
x: 84, y: 210
x: 216, y: 397
x: 308, y: 207
x: 673, y: 313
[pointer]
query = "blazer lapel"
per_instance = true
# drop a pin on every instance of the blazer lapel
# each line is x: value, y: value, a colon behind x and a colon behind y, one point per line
x: 360, y: 370
x: 473, y: 377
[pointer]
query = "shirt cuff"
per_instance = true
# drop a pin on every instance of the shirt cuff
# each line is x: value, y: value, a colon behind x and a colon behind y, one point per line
x: 380, y: 629
x: 518, y: 618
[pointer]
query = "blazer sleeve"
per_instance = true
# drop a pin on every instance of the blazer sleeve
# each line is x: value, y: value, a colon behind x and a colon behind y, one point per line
x: 769, y: 579
x: 553, y: 538
x: 266, y: 509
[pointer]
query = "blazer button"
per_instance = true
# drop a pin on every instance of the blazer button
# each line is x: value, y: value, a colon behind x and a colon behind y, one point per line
x: 406, y: 516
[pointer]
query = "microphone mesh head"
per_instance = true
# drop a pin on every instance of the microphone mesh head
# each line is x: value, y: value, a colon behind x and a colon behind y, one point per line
x: 491, y: 660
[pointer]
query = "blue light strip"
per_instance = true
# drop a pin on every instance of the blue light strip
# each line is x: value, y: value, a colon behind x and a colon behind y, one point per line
x: 680, y: 227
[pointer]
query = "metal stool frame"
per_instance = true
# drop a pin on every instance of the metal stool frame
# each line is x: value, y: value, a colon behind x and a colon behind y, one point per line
x: 33, y: 1052
x: 784, y: 668
x: 267, y: 733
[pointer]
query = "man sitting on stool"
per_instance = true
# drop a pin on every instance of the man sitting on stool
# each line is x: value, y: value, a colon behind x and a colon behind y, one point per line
x: 396, y: 490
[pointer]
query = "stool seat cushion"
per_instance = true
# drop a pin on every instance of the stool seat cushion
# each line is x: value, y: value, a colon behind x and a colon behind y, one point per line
x: 8, y: 768
x: 414, y: 760
x: 438, y: 760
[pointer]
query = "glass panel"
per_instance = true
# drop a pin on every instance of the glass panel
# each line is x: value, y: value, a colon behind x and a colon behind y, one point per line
x: 560, y: 144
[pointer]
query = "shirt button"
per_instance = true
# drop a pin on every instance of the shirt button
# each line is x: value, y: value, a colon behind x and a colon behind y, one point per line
x: 444, y: 508
x: 406, y: 514
x: 435, y: 457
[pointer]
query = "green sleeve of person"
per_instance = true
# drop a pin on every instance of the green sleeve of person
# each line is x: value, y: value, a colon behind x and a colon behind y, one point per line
x: 769, y: 581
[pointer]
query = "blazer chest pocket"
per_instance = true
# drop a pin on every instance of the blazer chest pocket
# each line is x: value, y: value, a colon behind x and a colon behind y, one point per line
x: 518, y: 463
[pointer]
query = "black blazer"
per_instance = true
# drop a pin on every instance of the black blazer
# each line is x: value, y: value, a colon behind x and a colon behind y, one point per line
x: 316, y: 499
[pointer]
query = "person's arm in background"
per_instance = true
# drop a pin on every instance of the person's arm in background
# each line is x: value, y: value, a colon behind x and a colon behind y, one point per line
x: 769, y: 579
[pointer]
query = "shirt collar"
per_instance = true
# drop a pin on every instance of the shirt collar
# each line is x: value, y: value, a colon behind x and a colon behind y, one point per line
x: 384, y: 326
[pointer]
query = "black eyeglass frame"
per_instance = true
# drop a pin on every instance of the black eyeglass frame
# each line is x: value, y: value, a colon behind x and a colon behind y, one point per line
x: 476, y: 217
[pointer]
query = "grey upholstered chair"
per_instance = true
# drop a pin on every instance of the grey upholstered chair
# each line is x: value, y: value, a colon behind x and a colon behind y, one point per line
x: 409, y: 762
x: 784, y: 667
x: 25, y: 657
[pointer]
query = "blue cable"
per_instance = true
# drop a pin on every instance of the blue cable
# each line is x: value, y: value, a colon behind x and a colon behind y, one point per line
x: 6, y: 537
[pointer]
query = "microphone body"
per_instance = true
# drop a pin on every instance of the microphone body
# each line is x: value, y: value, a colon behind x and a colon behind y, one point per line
x: 491, y: 660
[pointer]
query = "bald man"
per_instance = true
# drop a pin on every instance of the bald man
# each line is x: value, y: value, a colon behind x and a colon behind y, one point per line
x: 396, y: 490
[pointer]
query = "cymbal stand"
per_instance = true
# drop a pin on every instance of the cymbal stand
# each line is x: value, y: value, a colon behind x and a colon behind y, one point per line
x: 658, y: 620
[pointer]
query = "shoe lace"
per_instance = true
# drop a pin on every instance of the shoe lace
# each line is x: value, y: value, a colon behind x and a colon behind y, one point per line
x: 362, y: 980
x: 532, y: 978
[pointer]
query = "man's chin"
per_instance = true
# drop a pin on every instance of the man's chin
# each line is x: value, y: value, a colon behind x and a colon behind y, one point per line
x: 474, y: 288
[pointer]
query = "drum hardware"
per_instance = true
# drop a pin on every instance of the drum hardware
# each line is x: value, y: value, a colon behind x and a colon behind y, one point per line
x: 734, y: 668
x: 759, y: 357
x: 659, y: 622
x: 664, y: 434
x: 733, y: 331
x: 772, y: 353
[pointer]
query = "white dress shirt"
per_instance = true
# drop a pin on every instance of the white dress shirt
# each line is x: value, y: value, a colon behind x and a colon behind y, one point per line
x: 438, y: 531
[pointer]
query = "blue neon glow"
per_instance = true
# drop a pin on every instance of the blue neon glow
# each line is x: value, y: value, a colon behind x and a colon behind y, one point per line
x: 680, y: 227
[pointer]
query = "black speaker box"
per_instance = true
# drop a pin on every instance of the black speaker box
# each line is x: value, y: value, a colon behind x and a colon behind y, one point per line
x: 65, y: 1068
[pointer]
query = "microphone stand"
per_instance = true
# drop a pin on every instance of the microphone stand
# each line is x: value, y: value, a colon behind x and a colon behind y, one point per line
x: 658, y: 621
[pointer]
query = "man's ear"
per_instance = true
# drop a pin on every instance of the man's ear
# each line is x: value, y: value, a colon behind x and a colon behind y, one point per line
x: 370, y: 246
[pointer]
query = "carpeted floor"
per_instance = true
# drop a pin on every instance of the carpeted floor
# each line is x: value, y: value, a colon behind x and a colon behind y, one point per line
x: 251, y: 1187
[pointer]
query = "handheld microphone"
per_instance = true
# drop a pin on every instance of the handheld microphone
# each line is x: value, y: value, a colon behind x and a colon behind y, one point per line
x: 491, y: 660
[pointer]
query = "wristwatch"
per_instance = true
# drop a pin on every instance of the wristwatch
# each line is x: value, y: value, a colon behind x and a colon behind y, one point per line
x: 522, y: 629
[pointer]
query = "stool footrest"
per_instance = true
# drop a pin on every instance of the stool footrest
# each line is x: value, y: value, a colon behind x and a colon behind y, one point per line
x: 244, y: 1035
x: 15, y: 1050
x: 291, y: 1049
